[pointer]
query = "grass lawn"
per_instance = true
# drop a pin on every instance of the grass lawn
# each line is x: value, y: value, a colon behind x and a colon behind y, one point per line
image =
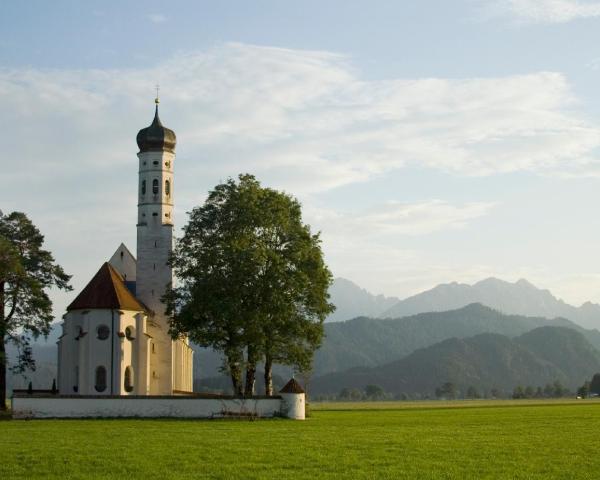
x: 551, y: 439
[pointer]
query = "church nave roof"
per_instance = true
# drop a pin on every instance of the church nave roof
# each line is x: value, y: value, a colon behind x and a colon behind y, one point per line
x: 106, y: 290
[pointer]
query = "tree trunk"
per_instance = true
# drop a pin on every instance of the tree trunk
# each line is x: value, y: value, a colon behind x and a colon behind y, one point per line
x: 3, y: 361
x: 250, y: 372
x: 236, y: 375
x: 268, y: 375
x: 250, y: 380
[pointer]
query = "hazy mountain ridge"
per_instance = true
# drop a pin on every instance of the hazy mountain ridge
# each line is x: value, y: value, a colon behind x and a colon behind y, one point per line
x: 485, y: 361
x: 352, y: 301
x: 519, y: 298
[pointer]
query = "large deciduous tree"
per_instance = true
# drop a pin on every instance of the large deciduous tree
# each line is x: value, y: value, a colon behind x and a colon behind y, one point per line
x: 253, y: 281
x: 27, y: 271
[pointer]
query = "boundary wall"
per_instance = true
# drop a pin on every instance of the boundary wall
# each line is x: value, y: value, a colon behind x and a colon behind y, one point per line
x: 103, y: 406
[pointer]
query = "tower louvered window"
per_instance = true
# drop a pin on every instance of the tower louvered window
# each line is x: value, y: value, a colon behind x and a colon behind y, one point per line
x: 155, y: 186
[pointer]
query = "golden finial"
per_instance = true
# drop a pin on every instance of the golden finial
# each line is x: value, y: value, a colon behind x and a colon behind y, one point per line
x: 156, y: 100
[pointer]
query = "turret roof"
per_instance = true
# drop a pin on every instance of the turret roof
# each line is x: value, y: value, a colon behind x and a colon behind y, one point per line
x: 292, y: 387
x: 106, y: 290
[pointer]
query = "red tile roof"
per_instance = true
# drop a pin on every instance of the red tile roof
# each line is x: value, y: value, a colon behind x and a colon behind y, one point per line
x: 106, y: 290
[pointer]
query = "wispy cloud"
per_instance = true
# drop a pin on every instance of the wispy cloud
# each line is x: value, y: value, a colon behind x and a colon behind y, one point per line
x: 156, y: 17
x: 396, y: 218
x: 541, y: 11
x: 304, y: 121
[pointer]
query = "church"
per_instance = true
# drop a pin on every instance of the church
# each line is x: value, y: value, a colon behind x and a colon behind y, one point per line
x: 115, y: 335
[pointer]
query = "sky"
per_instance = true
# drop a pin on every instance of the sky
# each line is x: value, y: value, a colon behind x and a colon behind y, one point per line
x: 428, y: 141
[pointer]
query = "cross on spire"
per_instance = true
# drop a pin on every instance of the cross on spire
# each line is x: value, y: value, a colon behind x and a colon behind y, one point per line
x: 156, y: 100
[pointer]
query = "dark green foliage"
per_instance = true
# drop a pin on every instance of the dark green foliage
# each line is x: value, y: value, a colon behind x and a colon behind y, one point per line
x: 54, y: 389
x: 518, y: 392
x: 472, y: 392
x: 446, y: 391
x: 27, y: 271
x: 30, y: 388
x: 488, y: 362
x: 595, y: 384
x: 374, y: 392
x: 253, y: 281
x: 584, y: 390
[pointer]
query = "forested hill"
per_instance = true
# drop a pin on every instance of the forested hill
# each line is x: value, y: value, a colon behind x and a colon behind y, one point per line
x: 519, y: 298
x: 486, y: 361
x: 371, y: 342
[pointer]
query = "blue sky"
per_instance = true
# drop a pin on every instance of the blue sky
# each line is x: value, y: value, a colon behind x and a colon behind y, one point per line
x: 429, y: 141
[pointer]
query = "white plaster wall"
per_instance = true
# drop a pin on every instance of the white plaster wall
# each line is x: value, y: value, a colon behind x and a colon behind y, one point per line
x: 81, y: 351
x: 124, y: 262
x: 127, y: 350
x: 182, y: 365
x: 293, y: 405
x: 152, y: 407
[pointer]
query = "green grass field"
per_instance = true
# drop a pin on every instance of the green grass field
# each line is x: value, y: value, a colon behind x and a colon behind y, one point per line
x: 513, y: 439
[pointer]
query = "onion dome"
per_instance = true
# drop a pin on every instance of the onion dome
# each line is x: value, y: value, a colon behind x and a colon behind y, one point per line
x: 156, y: 137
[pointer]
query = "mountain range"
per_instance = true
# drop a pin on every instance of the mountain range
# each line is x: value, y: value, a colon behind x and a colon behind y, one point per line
x: 518, y: 298
x: 369, y: 342
x: 485, y: 361
x: 444, y: 313
x: 353, y: 301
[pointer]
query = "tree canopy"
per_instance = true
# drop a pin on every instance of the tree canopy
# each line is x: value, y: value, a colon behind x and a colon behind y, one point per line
x: 27, y: 271
x: 253, y: 282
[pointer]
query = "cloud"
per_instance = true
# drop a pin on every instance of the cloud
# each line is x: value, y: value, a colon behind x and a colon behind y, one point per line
x: 156, y: 17
x: 397, y: 219
x: 303, y: 121
x: 542, y: 11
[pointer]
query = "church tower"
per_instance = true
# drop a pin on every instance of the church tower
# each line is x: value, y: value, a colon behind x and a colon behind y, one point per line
x: 115, y: 338
x: 168, y: 359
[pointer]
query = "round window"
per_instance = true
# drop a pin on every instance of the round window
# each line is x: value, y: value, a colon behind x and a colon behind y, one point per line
x: 103, y: 332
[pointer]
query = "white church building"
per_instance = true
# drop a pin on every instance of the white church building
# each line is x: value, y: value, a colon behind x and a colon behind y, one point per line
x: 115, y: 355
x: 115, y: 338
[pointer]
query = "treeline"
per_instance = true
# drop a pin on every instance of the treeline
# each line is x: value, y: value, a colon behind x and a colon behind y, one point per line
x: 450, y: 391
x: 554, y: 390
x: 591, y: 388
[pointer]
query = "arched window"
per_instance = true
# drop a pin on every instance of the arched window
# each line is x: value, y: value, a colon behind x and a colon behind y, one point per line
x: 100, y: 379
x: 167, y: 188
x: 128, y: 380
x: 76, y: 386
x: 155, y: 186
x: 143, y: 187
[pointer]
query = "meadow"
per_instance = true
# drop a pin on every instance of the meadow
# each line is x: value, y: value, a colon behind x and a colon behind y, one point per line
x: 447, y: 440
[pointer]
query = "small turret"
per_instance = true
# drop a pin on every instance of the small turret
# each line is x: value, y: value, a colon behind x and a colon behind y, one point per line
x: 293, y: 401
